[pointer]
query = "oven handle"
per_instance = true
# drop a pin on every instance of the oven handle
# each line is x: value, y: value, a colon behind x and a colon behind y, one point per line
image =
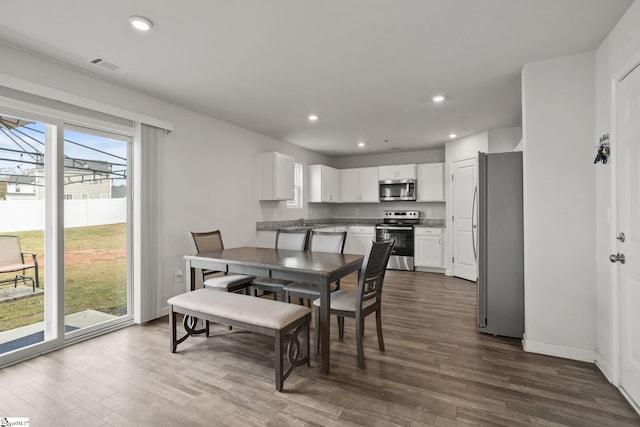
x: 393, y: 228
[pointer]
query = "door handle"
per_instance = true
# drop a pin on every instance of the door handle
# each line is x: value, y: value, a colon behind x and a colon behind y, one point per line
x: 617, y: 258
x: 473, y: 226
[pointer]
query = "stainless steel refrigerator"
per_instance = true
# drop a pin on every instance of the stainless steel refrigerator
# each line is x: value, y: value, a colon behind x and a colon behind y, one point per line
x: 500, y: 245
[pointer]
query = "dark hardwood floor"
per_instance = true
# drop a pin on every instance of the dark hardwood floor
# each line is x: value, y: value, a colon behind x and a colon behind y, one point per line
x: 437, y: 370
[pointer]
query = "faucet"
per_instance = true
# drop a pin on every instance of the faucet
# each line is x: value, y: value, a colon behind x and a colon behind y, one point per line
x: 300, y: 221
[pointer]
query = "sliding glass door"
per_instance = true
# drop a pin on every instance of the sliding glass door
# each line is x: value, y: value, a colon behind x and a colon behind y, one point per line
x: 22, y: 231
x: 64, y: 234
x: 95, y: 228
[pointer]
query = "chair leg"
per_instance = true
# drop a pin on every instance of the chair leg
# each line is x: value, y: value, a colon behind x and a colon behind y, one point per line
x: 172, y: 326
x: 359, y: 339
x: 278, y: 361
x: 379, y: 328
x: 340, y: 327
x: 316, y: 332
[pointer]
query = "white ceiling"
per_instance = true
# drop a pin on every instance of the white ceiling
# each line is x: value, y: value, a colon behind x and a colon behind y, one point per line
x: 367, y: 68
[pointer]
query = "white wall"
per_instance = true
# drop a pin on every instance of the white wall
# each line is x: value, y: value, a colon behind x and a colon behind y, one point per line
x: 209, y: 167
x: 559, y: 206
x: 617, y: 55
x: 504, y: 140
x: 459, y: 149
x: 363, y: 160
x: 375, y: 210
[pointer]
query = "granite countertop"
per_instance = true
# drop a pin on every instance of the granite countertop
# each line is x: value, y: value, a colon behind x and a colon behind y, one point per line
x: 297, y: 224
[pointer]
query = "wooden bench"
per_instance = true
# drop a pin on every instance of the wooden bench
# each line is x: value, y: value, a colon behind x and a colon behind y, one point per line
x: 285, y: 322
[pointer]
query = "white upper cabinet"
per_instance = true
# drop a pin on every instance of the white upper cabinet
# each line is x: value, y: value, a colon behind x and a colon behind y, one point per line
x: 359, y: 185
x: 276, y: 176
x: 396, y: 172
x: 431, y: 182
x: 324, y: 184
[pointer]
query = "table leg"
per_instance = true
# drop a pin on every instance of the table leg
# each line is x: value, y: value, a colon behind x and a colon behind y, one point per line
x: 325, y: 324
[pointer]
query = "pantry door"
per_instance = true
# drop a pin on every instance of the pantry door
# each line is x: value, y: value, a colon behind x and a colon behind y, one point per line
x: 464, y: 186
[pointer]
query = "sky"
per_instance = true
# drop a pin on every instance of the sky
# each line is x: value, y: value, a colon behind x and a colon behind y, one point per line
x: 30, y: 138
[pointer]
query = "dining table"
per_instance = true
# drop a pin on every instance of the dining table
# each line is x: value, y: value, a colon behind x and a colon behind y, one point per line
x: 319, y: 268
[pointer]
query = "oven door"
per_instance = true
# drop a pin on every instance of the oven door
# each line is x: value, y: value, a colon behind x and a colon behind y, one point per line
x: 403, y: 235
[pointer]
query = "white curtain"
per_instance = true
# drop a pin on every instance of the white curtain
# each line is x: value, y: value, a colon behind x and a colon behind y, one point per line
x: 148, y: 250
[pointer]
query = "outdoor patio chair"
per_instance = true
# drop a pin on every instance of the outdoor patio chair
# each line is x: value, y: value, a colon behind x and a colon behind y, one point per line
x: 12, y: 260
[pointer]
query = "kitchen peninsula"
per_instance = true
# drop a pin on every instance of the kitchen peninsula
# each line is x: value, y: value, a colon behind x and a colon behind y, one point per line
x: 429, y: 242
x: 336, y: 222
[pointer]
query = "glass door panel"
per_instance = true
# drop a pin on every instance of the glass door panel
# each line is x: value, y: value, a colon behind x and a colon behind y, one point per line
x: 96, y: 237
x: 22, y: 231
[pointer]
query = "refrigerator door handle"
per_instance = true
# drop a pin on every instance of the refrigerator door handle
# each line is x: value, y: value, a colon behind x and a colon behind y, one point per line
x: 474, y: 226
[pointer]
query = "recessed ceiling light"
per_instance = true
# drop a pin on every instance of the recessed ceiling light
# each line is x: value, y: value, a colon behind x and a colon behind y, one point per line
x: 140, y: 23
x: 438, y: 98
x: 313, y: 117
x: 452, y: 135
x: 360, y: 144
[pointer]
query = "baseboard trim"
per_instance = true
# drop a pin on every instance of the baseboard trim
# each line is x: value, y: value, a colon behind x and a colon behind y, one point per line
x: 559, y: 351
x: 430, y: 269
x: 163, y: 311
x: 633, y: 404
x: 605, y: 368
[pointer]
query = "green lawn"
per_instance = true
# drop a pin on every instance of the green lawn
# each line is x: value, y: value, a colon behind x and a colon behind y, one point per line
x: 95, y: 274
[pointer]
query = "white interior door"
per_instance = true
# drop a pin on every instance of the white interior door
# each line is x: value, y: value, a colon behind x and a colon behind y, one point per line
x: 628, y: 146
x: 465, y: 178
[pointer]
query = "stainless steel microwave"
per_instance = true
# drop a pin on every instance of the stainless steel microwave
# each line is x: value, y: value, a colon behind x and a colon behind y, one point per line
x: 397, y: 189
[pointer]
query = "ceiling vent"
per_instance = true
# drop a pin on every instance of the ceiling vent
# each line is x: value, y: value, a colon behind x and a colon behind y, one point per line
x: 108, y: 65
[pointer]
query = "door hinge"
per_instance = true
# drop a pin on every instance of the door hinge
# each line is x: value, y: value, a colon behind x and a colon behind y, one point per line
x: 453, y: 259
x: 452, y: 218
x: 451, y: 177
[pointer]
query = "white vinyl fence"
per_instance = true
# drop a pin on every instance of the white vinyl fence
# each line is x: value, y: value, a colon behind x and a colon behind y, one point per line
x: 23, y: 215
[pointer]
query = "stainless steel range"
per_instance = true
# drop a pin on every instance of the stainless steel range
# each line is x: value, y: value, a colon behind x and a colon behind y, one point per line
x: 399, y: 225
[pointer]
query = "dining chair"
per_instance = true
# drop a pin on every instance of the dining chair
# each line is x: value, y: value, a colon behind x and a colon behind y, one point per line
x: 319, y: 241
x: 362, y: 302
x: 292, y: 240
x: 211, y: 241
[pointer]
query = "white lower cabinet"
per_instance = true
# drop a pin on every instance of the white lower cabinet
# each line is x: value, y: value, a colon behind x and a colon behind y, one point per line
x: 428, y: 247
x: 358, y: 239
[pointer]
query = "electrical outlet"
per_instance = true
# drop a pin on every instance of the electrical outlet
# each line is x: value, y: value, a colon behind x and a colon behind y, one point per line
x: 178, y: 276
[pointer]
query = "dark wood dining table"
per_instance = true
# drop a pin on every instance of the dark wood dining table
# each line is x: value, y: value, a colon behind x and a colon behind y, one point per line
x: 319, y: 268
